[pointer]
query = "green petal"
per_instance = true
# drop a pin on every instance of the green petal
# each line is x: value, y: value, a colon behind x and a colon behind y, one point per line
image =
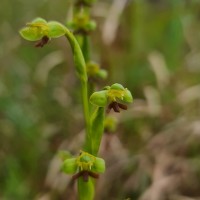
x: 128, y: 98
x: 31, y: 33
x: 56, y: 29
x: 69, y: 166
x: 117, y: 86
x: 99, y: 165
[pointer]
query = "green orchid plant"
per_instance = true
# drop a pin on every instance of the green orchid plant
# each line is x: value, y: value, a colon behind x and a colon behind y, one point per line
x: 87, y: 166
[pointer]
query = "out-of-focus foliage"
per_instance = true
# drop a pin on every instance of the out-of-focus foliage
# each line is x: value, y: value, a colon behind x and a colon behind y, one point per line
x: 151, y: 47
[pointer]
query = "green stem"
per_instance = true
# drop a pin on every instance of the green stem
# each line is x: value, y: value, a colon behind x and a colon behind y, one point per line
x: 80, y: 66
x: 86, y: 48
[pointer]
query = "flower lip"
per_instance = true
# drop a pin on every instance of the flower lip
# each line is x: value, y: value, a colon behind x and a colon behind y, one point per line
x: 85, y: 174
x: 42, y: 42
x: 116, y: 107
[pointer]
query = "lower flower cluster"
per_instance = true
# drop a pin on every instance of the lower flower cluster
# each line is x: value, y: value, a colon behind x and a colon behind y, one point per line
x: 85, y: 166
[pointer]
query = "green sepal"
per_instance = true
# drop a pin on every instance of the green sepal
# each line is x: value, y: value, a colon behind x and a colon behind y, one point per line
x: 56, y: 29
x: 39, y: 20
x: 99, y: 165
x: 99, y: 98
x: 128, y: 98
x: 69, y: 166
x: 31, y: 33
x: 117, y: 86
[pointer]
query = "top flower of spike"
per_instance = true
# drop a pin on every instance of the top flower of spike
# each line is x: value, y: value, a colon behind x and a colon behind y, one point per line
x: 114, y: 95
x: 42, y: 31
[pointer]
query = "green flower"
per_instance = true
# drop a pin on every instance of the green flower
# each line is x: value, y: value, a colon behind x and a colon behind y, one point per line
x: 85, y: 165
x: 94, y: 71
x: 82, y: 24
x: 114, y: 96
x: 42, y: 31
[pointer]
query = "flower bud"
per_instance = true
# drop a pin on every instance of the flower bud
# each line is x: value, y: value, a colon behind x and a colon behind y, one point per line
x: 110, y: 124
x: 102, y: 74
x: 99, y: 98
x: 69, y: 166
x: 90, y: 26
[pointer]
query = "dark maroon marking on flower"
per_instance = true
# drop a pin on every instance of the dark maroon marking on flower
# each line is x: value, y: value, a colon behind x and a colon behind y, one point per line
x: 77, y: 175
x: 122, y: 106
x: 93, y: 175
x: 113, y: 105
x: 42, y: 42
x: 85, y: 174
x: 116, y: 107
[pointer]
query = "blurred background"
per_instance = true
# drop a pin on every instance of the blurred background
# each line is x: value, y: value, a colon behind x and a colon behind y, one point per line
x: 152, y: 47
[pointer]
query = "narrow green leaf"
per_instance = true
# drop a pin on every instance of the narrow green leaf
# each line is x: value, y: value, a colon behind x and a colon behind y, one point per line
x: 97, y: 128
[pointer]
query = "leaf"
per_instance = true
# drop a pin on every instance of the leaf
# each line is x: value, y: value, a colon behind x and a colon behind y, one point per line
x: 97, y: 128
x: 56, y: 29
